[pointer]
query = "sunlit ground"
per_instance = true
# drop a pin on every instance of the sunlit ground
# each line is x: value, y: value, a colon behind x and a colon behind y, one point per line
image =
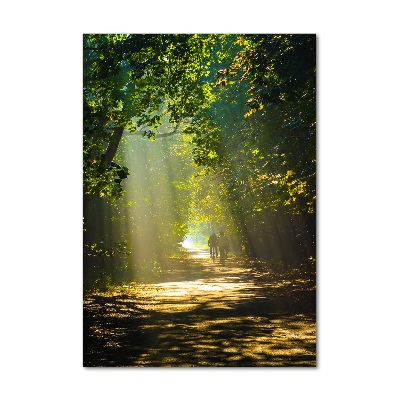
x: 201, y: 314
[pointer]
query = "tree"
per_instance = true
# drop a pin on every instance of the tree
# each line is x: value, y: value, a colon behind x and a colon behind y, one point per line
x: 136, y: 83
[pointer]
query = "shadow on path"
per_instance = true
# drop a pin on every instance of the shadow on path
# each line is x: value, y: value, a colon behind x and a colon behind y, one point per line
x: 201, y: 314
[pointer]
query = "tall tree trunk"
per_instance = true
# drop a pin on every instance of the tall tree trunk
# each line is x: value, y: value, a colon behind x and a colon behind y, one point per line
x: 113, y: 145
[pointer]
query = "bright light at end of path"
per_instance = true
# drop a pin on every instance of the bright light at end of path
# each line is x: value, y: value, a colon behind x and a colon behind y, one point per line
x: 187, y: 243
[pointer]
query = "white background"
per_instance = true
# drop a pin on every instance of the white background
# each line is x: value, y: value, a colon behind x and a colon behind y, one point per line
x: 358, y: 197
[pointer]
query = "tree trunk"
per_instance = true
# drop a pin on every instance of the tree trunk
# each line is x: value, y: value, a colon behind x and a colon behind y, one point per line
x: 113, y: 145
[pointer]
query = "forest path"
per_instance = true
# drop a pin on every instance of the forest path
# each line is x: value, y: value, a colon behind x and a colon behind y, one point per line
x: 198, y: 313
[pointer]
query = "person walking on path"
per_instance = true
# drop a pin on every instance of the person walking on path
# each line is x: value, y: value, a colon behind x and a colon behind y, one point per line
x: 223, y: 245
x: 213, y: 244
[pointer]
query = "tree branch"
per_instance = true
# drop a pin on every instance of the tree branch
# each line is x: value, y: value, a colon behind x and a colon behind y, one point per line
x: 158, y: 135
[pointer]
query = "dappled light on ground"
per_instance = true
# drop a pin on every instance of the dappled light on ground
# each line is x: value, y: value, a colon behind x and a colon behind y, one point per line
x: 198, y: 313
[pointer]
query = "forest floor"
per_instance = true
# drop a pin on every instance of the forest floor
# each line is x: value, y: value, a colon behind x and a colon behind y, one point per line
x: 197, y: 313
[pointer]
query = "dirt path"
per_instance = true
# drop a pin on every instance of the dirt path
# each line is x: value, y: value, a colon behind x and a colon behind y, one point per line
x: 198, y: 313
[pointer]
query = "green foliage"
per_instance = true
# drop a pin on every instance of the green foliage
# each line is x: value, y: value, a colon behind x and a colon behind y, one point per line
x: 134, y: 82
x: 99, y: 249
x: 265, y: 119
x: 101, y: 284
x: 100, y: 179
